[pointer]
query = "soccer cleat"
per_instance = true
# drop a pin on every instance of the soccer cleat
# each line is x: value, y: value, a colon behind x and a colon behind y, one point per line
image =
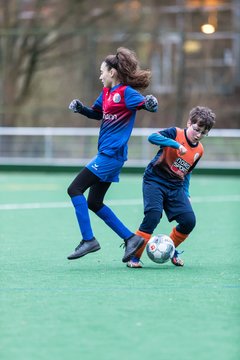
x: 131, y: 246
x: 176, y: 260
x: 85, y: 247
x: 134, y: 262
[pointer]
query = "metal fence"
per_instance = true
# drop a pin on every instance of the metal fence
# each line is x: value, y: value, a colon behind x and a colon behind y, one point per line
x: 75, y: 146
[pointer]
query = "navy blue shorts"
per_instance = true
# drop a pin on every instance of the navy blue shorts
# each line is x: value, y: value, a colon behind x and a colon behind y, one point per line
x: 158, y: 197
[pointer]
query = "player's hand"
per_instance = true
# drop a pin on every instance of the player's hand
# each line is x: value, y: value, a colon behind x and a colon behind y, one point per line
x: 182, y: 150
x: 151, y: 103
x: 76, y: 106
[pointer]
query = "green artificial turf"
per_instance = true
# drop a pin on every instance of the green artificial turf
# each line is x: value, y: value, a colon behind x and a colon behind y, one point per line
x: 97, y: 308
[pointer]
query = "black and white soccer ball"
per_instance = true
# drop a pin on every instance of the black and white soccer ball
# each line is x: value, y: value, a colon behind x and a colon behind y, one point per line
x: 160, y: 248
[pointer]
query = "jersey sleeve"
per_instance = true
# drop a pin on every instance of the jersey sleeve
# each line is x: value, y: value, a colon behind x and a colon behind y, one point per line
x: 91, y: 113
x: 95, y: 112
x: 97, y: 106
x: 165, y: 138
x: 133, y: 99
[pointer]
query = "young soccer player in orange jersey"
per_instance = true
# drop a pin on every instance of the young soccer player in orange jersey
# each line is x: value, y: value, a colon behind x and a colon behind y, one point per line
x: 166, y: 180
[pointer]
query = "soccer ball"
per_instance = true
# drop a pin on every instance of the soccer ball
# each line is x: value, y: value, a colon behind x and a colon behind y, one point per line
x: 160, y: 248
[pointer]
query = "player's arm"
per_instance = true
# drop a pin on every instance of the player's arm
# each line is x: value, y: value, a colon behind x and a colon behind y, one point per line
x: 136, y: 101
x: 151, y: 103
x: 167, y: 138
x: 92, y: 113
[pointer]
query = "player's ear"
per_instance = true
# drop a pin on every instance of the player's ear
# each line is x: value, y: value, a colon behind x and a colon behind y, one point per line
x: 113, y: 72
x: 189, y: 123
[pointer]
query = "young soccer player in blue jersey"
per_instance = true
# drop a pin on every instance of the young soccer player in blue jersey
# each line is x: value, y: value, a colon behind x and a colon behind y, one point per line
x: 166, y: 180
x: 116, y: 107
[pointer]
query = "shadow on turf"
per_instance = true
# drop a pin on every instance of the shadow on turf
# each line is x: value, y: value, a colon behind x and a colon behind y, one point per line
x: 100, y: 266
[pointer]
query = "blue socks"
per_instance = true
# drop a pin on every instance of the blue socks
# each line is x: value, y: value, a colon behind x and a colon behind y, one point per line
x: 108, y: 216
x: 81, y: 209
x: 105, y: 213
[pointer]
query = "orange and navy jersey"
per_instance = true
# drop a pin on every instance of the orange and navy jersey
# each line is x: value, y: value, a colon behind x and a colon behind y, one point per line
x: 168, y: 164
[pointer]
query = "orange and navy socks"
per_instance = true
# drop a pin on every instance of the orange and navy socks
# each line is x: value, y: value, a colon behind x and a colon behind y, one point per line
x: 146, y: 238
x: 177, y: 237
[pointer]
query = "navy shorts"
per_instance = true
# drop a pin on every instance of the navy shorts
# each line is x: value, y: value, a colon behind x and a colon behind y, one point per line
x: 158, y: 197
x: 105, y: 167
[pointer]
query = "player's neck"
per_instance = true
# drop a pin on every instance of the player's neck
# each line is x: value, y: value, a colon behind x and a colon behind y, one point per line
x: 115, y: 83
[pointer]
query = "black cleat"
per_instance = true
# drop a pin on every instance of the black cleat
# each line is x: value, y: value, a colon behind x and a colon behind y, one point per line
x: 131, y: 246
x: 85, y: 247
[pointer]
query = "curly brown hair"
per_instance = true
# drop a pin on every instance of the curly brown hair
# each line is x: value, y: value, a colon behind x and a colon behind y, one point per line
x: 203, y: 116
x: 129, y: 72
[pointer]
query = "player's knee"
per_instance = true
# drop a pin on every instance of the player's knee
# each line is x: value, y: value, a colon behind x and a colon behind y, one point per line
x: 150, y: 221
x: 191, y: 221
x: 186, y: 223
x: 73, y: 191
x: 69, y: 191
x: 94, y: 205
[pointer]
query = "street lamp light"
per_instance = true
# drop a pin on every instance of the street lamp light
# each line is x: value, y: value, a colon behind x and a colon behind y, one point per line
x: 208, y: 28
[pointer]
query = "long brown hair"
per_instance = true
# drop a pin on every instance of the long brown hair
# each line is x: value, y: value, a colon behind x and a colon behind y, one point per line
x: 128, y: 68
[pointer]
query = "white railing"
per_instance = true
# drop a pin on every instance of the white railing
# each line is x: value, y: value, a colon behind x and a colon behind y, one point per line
x: 75, y: 146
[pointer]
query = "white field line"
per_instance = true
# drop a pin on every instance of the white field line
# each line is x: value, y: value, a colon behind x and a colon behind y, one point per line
x: 120, y: 202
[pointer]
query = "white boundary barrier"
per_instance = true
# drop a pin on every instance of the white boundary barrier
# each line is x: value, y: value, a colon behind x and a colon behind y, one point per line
x: 75, y: 146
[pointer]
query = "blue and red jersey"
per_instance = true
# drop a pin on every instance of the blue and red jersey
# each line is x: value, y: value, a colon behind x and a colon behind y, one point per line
x: 119, y: 106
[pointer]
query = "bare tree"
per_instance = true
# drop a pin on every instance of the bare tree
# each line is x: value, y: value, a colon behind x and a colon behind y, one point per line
x: 35, y: 35
x: 50, y: 51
